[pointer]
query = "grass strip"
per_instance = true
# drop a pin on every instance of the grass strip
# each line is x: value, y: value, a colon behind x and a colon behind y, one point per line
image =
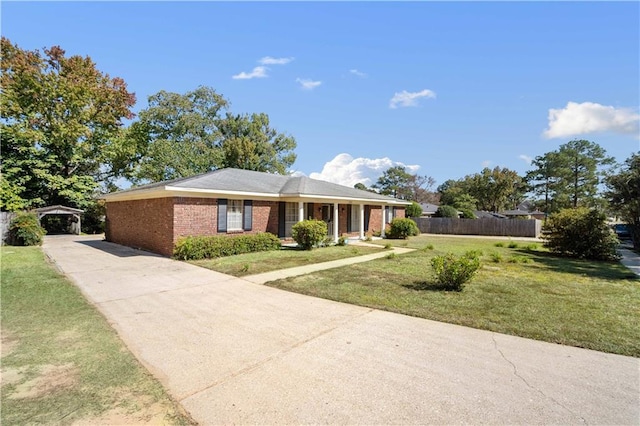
x: 62, y: 363
x: 520, y: 290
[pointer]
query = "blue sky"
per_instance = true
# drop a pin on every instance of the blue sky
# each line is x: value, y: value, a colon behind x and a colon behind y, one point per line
x: 443, y: 88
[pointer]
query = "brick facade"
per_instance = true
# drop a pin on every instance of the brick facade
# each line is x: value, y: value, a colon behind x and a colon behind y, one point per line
x: 143, y: 224
x: 156, y: 224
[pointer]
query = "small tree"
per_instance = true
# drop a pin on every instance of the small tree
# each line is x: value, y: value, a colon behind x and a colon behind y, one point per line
x: 446, y: 211
x: 414, y: 210
x: 309, y: 233
x: 402, y: 228
x: 25, y: 230
x: 581, y: 233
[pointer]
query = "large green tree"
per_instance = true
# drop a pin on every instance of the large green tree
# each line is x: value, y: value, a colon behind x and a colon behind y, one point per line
x: 397, y: 182
x: 492, y: 189
x: 570, y: 176
x: 192, y: 133
x: 248, y: 142
x: 61, y: 124
x: 623, y: 195
x: 179, y: 134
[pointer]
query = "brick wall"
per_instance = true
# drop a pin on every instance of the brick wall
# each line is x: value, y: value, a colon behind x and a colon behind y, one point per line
x: 143, y: 224
x: 194, y: 216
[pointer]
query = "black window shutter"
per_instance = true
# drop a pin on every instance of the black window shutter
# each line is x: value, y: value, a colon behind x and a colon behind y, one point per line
x: 222, y: 215
x: 349, y: 225
x: 367, y: 216
x: 310, y: 212
x: 247, y: 215
x: 281, y: 219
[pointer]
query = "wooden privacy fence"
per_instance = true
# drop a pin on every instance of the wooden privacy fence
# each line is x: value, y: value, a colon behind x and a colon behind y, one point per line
x: 486, y: 226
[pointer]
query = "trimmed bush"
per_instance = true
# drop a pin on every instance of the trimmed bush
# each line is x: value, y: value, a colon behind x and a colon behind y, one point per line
x: 402, y: 228
x: 309, y: 233
x: 25, y: 230
x: 468, y: 214
x: 453, y: 272
x: 414, y: 210
x: 446, y: 211
x: 580, y: 233
x: 209, y: 247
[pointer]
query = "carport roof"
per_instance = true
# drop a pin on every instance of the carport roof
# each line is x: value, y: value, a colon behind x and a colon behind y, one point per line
x: 248, y: 183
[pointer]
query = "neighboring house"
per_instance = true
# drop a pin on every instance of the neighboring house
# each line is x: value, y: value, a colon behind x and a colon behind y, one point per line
x: 428, y: 209
x: 481, y: 214
x: 233, y: 201
x: 516, y: 214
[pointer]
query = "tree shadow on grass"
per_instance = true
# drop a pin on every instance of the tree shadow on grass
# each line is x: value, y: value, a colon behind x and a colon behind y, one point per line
x: 611, y: 270
x: 430, y: 286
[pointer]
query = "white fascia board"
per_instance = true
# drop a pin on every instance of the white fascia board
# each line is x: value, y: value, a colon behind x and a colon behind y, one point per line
x: 328, y: 199
x: 196, y: 192
x: 135, y: 195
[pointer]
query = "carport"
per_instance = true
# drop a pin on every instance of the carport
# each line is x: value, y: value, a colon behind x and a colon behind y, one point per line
x: 73, y: 214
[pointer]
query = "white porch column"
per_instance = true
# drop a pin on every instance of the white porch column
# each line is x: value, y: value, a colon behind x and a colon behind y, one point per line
x: 362, y: 221
x: 384, y: 220
x: 335, y: 222
x: 300, y: 211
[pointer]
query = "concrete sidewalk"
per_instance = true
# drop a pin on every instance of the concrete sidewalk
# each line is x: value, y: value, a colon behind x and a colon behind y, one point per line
x: 313, y: 267
x: 234, y: 352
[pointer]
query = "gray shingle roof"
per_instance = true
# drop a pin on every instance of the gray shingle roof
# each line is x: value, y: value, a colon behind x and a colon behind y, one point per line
x: 249, y: 181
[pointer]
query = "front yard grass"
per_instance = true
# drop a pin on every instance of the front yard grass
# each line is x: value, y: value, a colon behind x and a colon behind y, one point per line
x: 267, y: 261
x: 520, y: 290
x: 62, y: 363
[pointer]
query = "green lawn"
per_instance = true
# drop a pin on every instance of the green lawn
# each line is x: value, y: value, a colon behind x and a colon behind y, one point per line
x: 267, y: 261
x: 61, y: 361
x: 520, y: 290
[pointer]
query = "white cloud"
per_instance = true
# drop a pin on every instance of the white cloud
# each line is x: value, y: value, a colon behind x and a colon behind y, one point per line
x: 357, y: 73
x: 308, y: 84
x: 588, y: 117
x: 408, y: 99
x: 268, y: 60
x: 346, y: 170
x: 258, y: 72
x: 525, y: 158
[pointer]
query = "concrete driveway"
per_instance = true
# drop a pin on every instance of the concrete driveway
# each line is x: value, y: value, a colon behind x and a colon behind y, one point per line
x: 235, y: 352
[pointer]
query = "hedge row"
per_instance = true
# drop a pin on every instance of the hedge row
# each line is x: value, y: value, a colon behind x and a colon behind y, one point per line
x: 208, y: 247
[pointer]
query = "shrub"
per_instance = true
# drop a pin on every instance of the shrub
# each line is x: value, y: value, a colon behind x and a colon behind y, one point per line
x: 580, y: 233
x: 309, y: 233
x: 513, y: 245
x: 531, y: 247
x: 496, y: 257
x: 342, y: 241
x: 414, y: 210
x: 402, y: 228
x: 468, y: 214
x: 499, y: 244
x: 25, y: 230
x: 446, y: 211
x: 453, y: 272
x: 209, y: 247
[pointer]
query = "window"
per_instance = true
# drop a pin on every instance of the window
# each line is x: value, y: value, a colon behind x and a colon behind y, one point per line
x: 234, y: 215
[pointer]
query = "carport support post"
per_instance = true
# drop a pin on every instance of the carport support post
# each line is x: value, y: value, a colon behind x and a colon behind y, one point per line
x: 362, y: 221
x: 384, y: 220
x: 336, y: 218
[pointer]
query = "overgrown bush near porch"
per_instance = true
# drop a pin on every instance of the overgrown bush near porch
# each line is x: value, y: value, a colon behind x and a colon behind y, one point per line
x: 309, y: 233
x: 209, y: 247
x: 25, y: 230
x: 402, y: 228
